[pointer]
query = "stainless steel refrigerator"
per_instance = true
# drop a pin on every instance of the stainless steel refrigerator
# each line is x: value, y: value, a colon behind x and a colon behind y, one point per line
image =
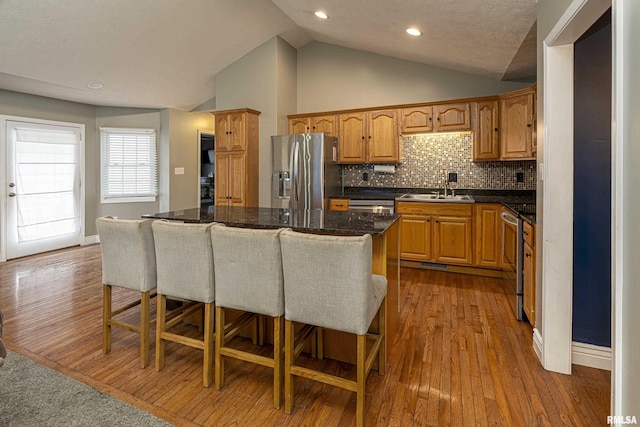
x: 305, y: 171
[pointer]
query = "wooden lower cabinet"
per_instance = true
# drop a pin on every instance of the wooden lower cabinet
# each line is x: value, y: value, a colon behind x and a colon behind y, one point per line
x: 338, y: 204
x: 436, y: 232
x: 488, y: 235
x: 231, y: 181
x: 529, y: 272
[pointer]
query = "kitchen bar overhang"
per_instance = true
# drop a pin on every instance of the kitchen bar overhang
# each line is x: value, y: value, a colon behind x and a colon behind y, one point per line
x: 383, y: 228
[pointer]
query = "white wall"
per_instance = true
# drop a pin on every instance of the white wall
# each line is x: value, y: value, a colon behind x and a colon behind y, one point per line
x: 627, y: 201
x: 334, y: 78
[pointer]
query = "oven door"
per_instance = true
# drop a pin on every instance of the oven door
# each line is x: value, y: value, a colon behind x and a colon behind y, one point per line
x: 512, y: 260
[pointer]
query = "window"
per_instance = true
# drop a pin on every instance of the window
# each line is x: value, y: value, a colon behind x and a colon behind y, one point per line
x: 129, y: 165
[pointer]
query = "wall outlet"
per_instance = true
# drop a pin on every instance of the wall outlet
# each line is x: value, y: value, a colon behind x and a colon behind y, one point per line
x: 520, y: 177
x: 365, y: 176
x: 452, y: 177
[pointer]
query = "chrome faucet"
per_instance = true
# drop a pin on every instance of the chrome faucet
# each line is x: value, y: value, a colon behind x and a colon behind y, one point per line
x: 446, y: 188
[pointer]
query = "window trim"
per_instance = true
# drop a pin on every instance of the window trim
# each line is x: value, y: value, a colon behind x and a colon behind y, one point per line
x: 104, y: 131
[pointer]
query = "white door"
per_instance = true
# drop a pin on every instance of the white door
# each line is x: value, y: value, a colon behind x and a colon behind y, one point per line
x: 43, y: 194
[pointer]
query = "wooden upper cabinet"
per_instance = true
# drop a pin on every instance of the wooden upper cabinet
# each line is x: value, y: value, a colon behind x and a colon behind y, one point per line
x: 416, y: 120
x: 300, y: 125
x: 486, y: 144
x: 314, y: 124
x: 352, y: 144
x: 230, y: 132
x: 383, y: 140
x: 324, y: 124
x: 516, y: 126
x: 451, y: 117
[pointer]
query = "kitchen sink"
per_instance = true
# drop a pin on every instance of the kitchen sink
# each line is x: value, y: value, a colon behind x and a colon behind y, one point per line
x: 437, y: 198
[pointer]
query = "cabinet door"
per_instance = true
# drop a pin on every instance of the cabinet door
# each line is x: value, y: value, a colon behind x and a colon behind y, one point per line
x: 516, y: 127
x: 488, y: 236
x: 301, y: 125
x: 486, y: 145
x: 326, y: 124
x: 529, y: 291
x: 237, y: 179
x: 237, y: 131
x: 222, y: 180
x: 415, y: 237
x: 223, y: 137
x: 416, y: 120
x: 452, y: 239
x: 351, y: 145
x: 450, y: 117
x: 383, y: 140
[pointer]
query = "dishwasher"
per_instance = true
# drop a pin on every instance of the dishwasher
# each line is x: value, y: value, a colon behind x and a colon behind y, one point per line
x: 372, y: 206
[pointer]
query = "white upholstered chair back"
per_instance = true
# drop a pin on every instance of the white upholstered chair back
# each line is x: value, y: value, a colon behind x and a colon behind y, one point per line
x: 184, y: 260
x: 248, y: 270
x: 128, y: 253
x: 328, y: 281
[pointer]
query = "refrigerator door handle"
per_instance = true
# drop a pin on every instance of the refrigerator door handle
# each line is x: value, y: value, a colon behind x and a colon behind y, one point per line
x: 293, y: 170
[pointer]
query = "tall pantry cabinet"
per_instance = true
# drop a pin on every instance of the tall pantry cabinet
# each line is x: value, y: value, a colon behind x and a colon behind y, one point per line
x: 236, y: 154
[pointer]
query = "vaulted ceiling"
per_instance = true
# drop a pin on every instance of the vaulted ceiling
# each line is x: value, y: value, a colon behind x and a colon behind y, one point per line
x: 166, y: 53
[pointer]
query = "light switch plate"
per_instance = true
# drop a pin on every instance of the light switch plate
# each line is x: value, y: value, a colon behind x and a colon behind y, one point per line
x: 179, y: 171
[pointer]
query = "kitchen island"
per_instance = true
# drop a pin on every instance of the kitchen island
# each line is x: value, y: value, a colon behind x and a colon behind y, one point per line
x: 383, y: 228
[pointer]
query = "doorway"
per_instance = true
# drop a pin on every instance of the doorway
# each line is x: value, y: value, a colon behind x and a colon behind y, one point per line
x: 207, y: 168
x: 43, y: 203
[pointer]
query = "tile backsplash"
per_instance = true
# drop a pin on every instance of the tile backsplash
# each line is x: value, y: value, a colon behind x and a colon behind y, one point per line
x: 426, y: 160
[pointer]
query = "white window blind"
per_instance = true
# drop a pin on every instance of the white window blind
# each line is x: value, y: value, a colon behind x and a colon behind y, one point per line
x: 129, y: 165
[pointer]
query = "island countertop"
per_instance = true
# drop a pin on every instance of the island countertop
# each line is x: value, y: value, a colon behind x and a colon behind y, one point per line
x: 312, y: 220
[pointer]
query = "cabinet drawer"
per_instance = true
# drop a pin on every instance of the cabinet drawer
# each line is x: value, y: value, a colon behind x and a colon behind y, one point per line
x: 528, y: 232
x: 339, y: 204
x: 448, y: 209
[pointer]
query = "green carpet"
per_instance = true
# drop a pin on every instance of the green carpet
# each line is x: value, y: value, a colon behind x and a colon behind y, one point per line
x: 34, y: 395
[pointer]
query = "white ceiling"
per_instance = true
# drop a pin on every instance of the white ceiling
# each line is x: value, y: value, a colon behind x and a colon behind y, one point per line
x: 166, y: 53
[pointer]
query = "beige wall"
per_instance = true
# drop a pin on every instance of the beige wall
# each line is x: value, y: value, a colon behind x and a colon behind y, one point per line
x: 38, y: 107
x: 332, y: 78
x: 287, y: 84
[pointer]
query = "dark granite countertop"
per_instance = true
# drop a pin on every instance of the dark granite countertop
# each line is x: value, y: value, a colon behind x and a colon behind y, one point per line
x: 523, y: 202
x: 314, y: 220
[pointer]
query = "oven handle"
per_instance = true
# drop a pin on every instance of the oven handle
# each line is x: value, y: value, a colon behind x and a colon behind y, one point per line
x: 508, y: 218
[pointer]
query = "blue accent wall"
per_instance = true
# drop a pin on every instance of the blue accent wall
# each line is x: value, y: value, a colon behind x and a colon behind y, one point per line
x: 592, y: 186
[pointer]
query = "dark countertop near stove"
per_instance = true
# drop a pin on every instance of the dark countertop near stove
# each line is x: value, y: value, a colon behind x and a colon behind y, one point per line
x: 312, y: 220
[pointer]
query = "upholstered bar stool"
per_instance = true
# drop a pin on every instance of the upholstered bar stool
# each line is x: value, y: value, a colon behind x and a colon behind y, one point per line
x: 248, y: 267
x: 128, y: 261
x: 185, y: 272
x: 328, y: 283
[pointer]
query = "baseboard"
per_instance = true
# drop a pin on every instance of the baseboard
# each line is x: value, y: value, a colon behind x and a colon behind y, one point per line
x: 537, y: 344
x: 90, y: 240
x: 593, y: 356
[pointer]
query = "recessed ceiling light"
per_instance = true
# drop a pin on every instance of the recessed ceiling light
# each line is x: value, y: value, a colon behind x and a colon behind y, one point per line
x: 95, y: 85
x: 320, y: 14
x: 414, y: 31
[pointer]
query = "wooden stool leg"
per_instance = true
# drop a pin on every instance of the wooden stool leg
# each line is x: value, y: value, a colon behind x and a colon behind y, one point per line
x: 219, y: 360
x: 145, y: 309
x: 288, y: 362
x: 382, y: 352
x: 261, y: 323
x: 277, y: 361
x: 320, y: 343
x: 207, y: 375
x: 106, y: 318
x: 161, y: 320
x: 362, y: 377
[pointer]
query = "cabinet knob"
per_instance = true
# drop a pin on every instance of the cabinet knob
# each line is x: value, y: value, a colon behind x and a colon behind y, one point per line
x: 528, y: 125
x: 437, y: 220
x: 527, y: 254
x: 369, y: 136
x: 496, y: 129
x: 362, y: 136
x: 430, y: 119
x: 428, y: 220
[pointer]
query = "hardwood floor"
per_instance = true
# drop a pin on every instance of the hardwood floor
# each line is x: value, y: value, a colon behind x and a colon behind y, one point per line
x: 461, y: 358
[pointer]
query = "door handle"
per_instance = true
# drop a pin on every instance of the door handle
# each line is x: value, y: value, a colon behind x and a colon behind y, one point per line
x: 12, y: 194
x: 11, y: 184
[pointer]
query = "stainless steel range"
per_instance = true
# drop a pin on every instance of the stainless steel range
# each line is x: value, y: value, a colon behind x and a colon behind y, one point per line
x: 374, y: 206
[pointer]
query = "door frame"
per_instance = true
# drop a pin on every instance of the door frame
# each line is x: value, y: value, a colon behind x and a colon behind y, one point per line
x: 199, y: 158
x: 3, y: 176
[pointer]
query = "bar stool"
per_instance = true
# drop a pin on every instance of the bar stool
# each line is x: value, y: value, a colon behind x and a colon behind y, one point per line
x: 328, y: 284
x: 128, y: 261
x: 185, y: 272
x: 248, y: 270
